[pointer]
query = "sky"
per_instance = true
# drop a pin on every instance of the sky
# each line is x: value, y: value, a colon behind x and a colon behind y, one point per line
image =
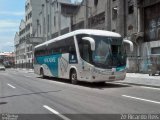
x: 11, y: 13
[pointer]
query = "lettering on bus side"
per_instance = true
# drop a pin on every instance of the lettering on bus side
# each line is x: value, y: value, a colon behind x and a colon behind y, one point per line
x: 50, y: 60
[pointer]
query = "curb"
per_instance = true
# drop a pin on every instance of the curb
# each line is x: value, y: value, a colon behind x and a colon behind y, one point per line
x: 26, y: 70
x: 138, y: 84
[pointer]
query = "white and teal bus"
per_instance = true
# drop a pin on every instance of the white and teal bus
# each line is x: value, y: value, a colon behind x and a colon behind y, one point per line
x: 83, y: 55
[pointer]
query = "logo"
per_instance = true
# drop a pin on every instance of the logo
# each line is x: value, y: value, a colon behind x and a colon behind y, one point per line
x: 49, y: 60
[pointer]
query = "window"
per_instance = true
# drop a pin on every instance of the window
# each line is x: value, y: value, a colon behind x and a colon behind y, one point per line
x: 114, y: 13
x: 29, y: 15
x: 63, y: 46
x: 48, y: 23
x: 40, y: 28
x: 95, y: 2
x: 58, y: 47
x: 130, y: 7
x: 44, y: 28
x: 54, y: 20
x: 70, y: 45
x: 155, y: 50
x: 26, y: 7
x: 41, y: 51
x: 84, y: 48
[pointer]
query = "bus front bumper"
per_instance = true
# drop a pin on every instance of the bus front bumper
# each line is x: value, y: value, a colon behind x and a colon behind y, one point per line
x: 108, y: 78
x: 104, y: 77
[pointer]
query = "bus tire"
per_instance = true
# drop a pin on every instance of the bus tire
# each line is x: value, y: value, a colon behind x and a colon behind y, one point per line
x: 42, y: 73
x: 73, y: 77
x: 101, y: 83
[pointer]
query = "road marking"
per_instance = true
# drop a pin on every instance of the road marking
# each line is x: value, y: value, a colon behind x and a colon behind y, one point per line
x: 11, y: 86
x: 150, y: 88
x: 55, y: 112
x: 151, y: 101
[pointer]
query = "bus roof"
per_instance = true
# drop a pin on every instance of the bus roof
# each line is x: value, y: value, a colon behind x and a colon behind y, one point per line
x: 82, y: 31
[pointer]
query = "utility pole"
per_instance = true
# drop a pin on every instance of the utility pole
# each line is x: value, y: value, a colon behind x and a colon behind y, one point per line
x: 47, y: 20
x: 86, y: 14
x: 59, y: 18
x: 50, y: 26
x: 43, y: 22
x: 108, y: 15
x: 120, y: 18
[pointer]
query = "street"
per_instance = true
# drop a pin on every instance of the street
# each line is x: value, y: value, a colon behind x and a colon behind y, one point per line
x: 25, y: 93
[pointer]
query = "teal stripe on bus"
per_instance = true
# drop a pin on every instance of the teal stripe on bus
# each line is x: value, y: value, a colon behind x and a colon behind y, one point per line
x: 51, y: 61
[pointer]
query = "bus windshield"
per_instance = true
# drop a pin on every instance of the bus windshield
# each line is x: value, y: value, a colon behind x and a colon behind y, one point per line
x: 109, y: 51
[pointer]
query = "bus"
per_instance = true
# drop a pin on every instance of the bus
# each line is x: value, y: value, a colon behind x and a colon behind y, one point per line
x: 83, y: 55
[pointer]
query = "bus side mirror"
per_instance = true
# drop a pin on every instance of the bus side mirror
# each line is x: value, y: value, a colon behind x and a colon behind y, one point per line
x: 130, y: 44
x: 91, y: 41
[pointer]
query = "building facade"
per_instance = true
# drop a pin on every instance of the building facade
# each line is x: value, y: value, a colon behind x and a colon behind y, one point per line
x: 113, y: 15
x: 149, y: 25
x: 20, y: 45
x: 44, y: 20
x: 25, y: 39
x: 53, y: 18
x: 136, y: 20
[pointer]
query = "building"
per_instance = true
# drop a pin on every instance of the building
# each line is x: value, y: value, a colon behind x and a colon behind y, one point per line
x: 112, y: 15
x: 136, y: 20
x: 44, y: 20
x: 90, y: 14
x: 55, y: 18
x: 25, y: 39
x: 149, y: 25
x: 20, y: 46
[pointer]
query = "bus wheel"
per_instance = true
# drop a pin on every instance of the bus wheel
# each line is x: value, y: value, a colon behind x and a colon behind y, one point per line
x: 73, y: 77
x: 101, y: 83
x: 42, y: 73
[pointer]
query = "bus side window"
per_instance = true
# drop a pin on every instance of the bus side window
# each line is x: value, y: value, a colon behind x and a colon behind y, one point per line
x: 84, y: 49
x: 70, y: 45
x: 86, y: 52
x: 72, y: 50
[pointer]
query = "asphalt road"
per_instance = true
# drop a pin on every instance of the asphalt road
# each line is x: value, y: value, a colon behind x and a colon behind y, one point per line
x: 25, y: 93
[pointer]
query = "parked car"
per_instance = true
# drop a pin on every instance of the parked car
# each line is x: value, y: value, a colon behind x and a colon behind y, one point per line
x: 2, y: 67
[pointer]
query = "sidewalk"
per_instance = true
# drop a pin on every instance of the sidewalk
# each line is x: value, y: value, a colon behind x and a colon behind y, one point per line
x: 25, y: 70
x: 142, y: 80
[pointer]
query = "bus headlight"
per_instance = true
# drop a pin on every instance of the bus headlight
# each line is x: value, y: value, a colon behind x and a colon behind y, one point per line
x: 113, y: 69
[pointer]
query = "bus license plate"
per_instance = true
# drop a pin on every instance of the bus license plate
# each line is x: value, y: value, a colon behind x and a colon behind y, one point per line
x: 112, y: 77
